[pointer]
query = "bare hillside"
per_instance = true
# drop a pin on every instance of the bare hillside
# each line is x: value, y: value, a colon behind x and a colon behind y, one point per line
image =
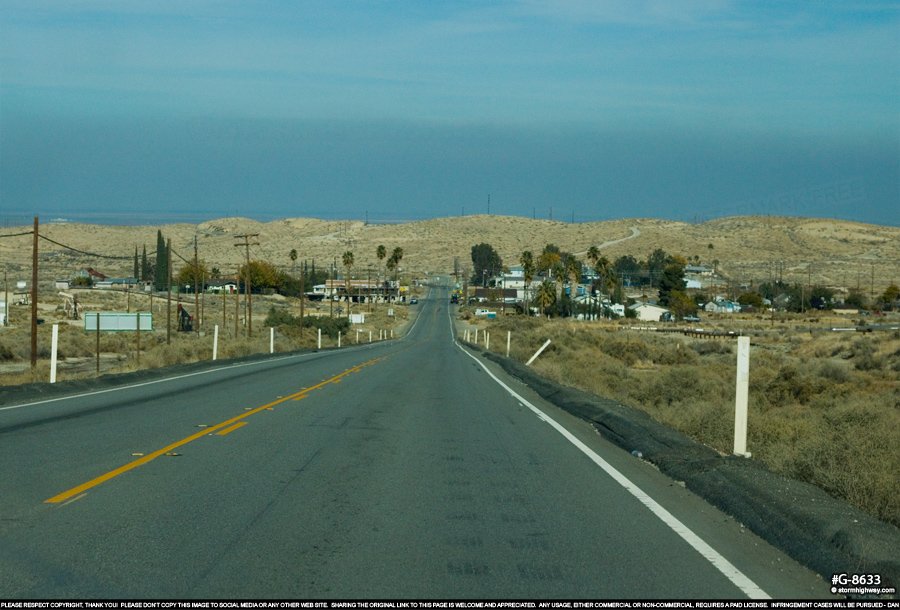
x: 831, y: 252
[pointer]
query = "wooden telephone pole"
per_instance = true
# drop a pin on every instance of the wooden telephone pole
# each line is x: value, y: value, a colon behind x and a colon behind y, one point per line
x: 249, y: 299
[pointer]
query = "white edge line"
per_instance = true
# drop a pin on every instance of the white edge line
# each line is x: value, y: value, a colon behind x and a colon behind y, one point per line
x: 155, y: 381
x: 738, y: 578
x: 166, y: 379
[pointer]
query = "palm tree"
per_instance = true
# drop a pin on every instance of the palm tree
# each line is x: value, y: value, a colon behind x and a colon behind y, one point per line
x: 293, y: 256
x: 546, y: 296
x: 348, y: 264
x: 527, y: 261
x: 381, y: 253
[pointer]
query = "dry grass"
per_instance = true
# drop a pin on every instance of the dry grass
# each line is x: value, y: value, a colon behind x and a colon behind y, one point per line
x: 824, y: 407
x: 77, y: 349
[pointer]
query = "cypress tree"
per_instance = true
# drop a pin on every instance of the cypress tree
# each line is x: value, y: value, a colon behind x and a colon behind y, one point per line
x: 145, y: 266
x: 136, y: 267
x: 162, y: 263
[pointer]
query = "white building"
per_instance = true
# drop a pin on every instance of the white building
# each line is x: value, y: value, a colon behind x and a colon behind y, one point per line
x: 648, y: 313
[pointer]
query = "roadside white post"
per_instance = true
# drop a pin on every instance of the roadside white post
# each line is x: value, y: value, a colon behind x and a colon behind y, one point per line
x: 538, y: 353
x: 54, y: 344
x: 370, y: 336
x: 508, y: 337
x: 271, y: 340
x: 741, y: 397
x: 392, y: 333
x: 339, y: 338
x: 215, y: 341
x: 487, y: 340
x: 320, y: 338
x: 476, y: 337
x: 357, y: 336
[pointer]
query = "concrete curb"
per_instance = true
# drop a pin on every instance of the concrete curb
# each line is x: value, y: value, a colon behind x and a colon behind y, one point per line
x: 823, y: 533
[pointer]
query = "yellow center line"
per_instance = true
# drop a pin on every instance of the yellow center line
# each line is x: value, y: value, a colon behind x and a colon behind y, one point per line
x: 231, y: 428
x: 226, y: 426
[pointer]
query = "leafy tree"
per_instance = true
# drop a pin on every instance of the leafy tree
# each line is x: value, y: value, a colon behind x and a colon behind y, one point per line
x: 821, y: 297
x: 549, y: 262
x: 889, y: 297
x: 82, y: 281
x: 161, y: 275
x: 190, y: 275
x: 485, y: 261
x: 681, y: 304
x: 751, y: 299
x: 672, y: 280
x: 656, y: 264
x: 856, y: 298
x: 627, y: 267
x: 263, y: 275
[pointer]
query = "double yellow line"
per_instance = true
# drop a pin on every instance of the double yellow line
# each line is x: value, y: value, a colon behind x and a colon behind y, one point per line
x: 221, y: 429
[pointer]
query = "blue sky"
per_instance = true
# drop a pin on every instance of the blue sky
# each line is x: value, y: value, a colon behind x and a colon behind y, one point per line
x: 688, y: 110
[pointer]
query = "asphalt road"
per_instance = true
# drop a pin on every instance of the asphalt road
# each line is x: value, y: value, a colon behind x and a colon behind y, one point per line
x: 399, y: 469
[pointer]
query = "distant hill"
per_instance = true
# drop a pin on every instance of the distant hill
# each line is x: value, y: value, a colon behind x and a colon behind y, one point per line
x: 747, y: 249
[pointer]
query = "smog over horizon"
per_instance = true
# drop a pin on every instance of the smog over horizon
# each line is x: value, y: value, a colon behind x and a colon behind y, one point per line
x: 149, y: 113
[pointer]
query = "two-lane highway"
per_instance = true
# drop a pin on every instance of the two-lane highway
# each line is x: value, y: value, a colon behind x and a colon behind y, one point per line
x: 398, y: 469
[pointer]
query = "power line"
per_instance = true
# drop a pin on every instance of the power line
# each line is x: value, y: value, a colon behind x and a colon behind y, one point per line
x: 94, y: 254
x: 18, y: 234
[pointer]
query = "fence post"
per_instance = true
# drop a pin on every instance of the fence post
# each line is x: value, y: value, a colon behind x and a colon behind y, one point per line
x: 538, y: 353
x: 741, y: 397
x: 54, y: 344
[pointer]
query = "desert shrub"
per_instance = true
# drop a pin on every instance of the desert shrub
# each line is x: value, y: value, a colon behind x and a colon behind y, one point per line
x: 330, y: 326
x: 628, y: 351
x: 705, y: 348
x: 790, y: 384
x: 6, y: 353
x: 833, y: 372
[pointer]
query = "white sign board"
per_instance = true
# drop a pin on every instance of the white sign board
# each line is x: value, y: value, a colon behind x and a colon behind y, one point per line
x: 118, y: 321
x: 357, y: 318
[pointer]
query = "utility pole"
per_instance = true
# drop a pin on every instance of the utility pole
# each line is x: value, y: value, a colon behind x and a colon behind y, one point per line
x: 196, y: 293
x: 168, y: 294
x: 34, y: 296
x: 249, y: 299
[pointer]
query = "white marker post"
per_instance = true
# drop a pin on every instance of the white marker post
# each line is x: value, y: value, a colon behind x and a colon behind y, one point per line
x: 487, y: 340
x: 476, y: 337
x: 741, y: 397
x: 339, y: 338
x: 271, y: 340
x: 54, y: 344
x: 215, y: 341
x: 508, y: 338
x: 538, y: 353
x: 320, y: 339
x: 370, y: 336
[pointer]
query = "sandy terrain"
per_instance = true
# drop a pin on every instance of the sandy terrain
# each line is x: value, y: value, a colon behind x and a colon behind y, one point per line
x: 830, y: 252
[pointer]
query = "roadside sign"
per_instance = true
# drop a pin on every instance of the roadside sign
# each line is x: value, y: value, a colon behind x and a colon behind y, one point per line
x: 118, y: 321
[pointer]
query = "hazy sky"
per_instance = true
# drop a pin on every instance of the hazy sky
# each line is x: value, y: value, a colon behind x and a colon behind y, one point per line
x: 688, y: 109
